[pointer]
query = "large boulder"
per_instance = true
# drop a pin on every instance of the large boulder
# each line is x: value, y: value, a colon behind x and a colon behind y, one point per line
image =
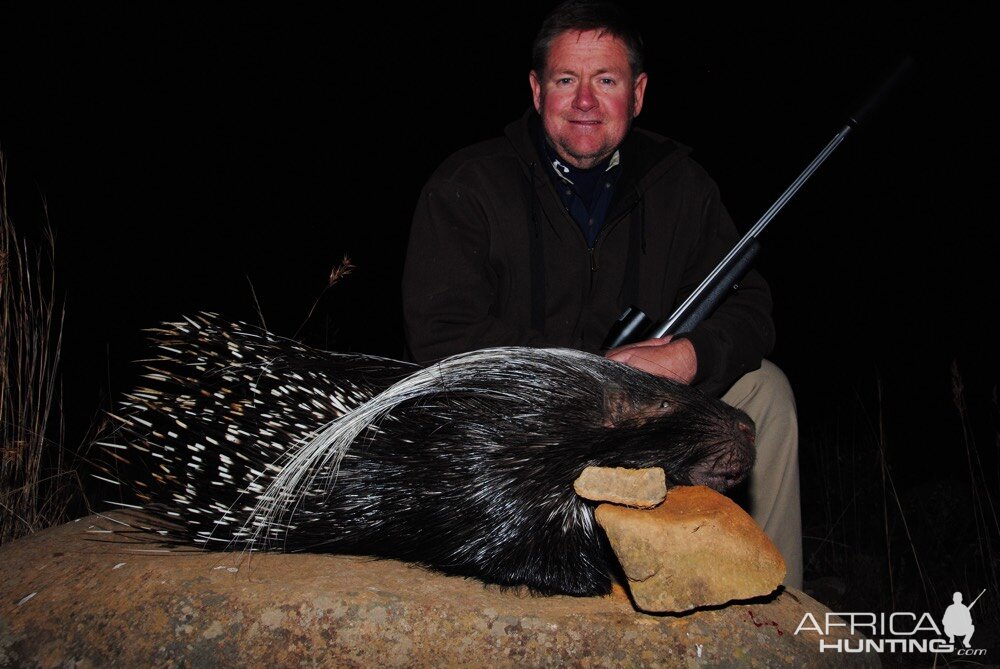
x: 92, y: 593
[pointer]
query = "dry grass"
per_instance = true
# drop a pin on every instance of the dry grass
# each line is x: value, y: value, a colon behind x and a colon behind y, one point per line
x: 339, y: 271
x: 36, y: 483
x: 878, y: 543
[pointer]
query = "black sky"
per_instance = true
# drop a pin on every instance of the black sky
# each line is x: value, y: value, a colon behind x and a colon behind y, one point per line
x: 221, y: 160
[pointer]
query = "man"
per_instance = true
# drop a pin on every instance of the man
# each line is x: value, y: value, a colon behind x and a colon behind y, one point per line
x: 543, y: 236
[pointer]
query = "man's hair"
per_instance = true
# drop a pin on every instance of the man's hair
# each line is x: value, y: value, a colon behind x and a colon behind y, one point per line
x: 584, y: 15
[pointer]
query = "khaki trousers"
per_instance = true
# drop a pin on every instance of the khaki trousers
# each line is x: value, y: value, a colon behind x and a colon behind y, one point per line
x: 771, y: 493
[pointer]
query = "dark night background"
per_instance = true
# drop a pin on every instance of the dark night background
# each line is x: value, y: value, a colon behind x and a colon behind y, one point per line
x: 185, y: 157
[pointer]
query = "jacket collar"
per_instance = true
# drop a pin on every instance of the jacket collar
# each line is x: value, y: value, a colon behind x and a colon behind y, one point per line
x: 645, y: 158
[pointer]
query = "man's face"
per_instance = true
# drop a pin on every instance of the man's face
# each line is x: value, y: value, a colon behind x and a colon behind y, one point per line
x: 586, y: 96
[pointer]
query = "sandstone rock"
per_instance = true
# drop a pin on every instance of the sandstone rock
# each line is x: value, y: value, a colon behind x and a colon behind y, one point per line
x: 642, y: 488
x: 697, y: 548
x: 87, y: 594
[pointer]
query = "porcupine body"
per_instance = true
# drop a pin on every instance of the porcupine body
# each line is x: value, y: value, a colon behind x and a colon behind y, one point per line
x: 242, y: 439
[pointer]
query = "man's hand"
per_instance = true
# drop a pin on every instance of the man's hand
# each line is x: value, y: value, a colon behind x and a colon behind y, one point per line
x: 662, y: 357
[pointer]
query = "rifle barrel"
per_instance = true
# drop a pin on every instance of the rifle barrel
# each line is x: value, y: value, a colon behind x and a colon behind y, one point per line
x: 751, y: 235
x: 680, y: 314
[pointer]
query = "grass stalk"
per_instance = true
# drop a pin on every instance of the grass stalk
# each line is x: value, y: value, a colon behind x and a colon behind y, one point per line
x: 36, y: 482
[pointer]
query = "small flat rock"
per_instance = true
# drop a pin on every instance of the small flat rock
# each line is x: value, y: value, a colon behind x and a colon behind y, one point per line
x: 698, y: 548
x: 642, y: 488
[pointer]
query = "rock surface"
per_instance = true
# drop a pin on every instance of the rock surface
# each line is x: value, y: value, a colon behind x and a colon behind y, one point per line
x: 643, y: 488
x: 91, y: 594
x: 698, y: 548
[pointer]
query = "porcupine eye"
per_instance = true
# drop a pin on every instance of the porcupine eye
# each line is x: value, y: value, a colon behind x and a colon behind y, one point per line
x: 659, y: 409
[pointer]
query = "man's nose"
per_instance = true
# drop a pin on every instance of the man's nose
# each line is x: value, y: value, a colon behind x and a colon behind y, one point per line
x: 584, y: 99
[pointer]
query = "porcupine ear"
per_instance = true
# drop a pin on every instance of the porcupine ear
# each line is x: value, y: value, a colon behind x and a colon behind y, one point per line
x: 618, y: 405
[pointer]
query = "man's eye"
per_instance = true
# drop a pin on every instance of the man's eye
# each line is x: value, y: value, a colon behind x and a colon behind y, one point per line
x: 608, y: 82
x: 564, y: 80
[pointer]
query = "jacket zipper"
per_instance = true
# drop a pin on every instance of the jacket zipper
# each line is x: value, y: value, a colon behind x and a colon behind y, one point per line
x: 592, y: 250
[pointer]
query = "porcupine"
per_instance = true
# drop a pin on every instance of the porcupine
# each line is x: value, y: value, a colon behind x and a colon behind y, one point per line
x: 242, y: 439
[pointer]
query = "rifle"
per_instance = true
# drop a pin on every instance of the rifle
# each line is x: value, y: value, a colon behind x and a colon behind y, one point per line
x: 634, y: 325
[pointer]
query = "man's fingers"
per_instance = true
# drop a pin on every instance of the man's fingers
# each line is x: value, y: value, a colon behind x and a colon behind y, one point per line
x: 643, y: 363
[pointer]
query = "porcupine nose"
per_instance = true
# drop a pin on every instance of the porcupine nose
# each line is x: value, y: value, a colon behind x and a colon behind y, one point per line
x: 748, y: 431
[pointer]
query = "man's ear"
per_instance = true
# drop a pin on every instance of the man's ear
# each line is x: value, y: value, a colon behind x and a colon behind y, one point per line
x: 639, y: 92
x: 536, y: 90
